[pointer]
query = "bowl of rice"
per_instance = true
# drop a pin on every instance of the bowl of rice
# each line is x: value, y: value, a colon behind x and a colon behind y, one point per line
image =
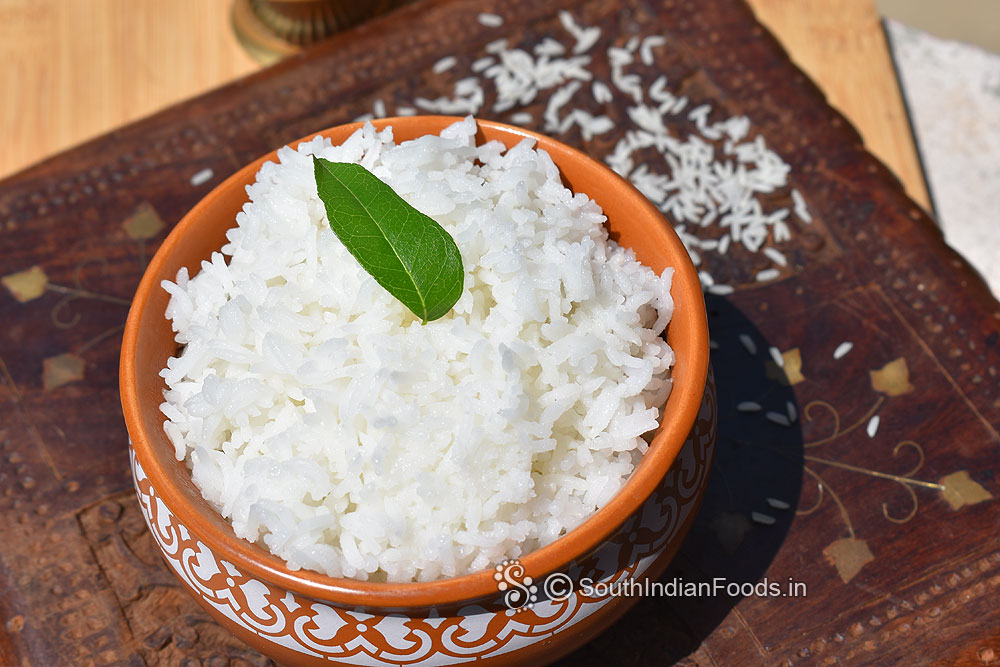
x: 338, y: 482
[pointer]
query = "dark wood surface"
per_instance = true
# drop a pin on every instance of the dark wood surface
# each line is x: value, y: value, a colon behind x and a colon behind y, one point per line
x: 894, y: 536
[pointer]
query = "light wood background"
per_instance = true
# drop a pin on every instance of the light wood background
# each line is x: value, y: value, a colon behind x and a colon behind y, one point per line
x: 73, y: 69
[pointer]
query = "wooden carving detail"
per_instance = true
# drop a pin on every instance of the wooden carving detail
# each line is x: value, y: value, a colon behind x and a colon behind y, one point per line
x: 166, y: 623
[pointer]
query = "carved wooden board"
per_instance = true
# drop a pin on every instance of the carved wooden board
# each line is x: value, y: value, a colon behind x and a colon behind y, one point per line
x: 879, y: 495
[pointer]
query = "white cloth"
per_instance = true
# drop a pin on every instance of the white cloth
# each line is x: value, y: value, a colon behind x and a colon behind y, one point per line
x: 953, y: 93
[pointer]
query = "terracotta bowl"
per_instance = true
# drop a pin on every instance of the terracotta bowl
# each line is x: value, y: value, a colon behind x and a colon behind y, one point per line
x: 519, y: 613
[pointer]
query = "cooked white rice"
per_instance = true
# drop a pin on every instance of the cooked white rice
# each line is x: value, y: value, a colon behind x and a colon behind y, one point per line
x: 329, y: 425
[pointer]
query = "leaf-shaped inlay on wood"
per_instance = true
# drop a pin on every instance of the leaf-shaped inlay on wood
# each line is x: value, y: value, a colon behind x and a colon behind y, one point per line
x: 144, y: 223
x: 961, y: 490
x: 26, y: 285
x: 62, y: 369
x: 790, y: 372
x: 730, y: 528
x: 848, y: 555
x: 893, y: 379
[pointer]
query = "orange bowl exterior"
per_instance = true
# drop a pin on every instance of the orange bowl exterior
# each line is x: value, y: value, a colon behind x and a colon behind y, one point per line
x: 165, y: 484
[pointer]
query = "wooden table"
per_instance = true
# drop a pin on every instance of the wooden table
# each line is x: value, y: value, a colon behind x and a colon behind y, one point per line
x: 82, y: 69
x: 890, y: 523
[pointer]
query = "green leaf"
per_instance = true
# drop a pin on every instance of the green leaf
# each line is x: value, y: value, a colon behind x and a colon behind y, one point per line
x: 407, y: 252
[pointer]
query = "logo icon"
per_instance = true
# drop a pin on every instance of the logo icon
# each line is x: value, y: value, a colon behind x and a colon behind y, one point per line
x: 558, y: 587
x: 520, y: 594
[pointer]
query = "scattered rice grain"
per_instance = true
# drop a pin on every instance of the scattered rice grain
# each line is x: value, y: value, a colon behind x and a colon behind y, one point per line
x: 490, y: 20
x: 801, y: 210
x: 482, y: 63
x: 646, y: 50
x: 776, y: 256
x: 767, y: 274
x: 843, y: 349
x: 778, y: 504
x: 201, y: 177
x: 444, y: 64
x: 778, y: 418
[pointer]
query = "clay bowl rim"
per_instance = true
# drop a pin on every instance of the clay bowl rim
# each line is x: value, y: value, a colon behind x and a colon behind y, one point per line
x: 683, y: 406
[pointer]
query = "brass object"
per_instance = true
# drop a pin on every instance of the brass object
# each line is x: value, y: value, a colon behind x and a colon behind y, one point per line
x: 272, y: 29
